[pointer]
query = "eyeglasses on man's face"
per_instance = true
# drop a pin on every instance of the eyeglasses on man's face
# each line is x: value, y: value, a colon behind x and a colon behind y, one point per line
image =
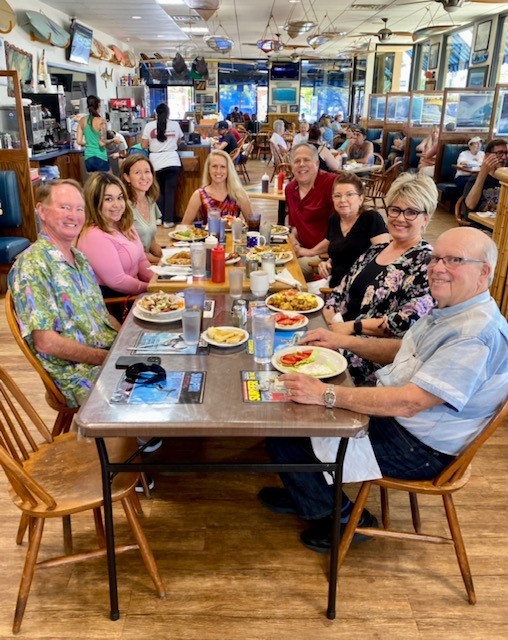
x: 409, y: 214
x: 499, y: 154
x: 451, y: 262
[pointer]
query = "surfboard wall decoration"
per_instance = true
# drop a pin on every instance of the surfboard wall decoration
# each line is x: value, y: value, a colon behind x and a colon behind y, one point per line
x: 43, y: 29
x: 7, y: 17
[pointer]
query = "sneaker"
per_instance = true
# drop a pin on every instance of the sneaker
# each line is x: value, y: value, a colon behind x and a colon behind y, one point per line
x: 158, y: 222
x: 153, y: 444
x: 168, y: 225
x: 277, y: 500
x: 318, y: 537
x: 150, y: 481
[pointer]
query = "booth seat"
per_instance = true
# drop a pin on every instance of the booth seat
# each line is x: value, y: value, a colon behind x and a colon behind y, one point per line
x: 373, y: 134
x: 413, y: 158
x: 10, y: 216
x: 445, y: 172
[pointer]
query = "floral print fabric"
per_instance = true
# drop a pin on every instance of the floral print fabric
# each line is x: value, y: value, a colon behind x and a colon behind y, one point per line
x: 400, y: 293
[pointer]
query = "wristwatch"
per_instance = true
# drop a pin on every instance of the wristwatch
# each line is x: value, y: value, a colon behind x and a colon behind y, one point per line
x: 329, y: 397
x: 357, y: 327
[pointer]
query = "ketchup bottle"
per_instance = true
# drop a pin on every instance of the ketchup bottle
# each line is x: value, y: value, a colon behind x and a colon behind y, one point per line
x: 280, y: 180
x: 218, y: 264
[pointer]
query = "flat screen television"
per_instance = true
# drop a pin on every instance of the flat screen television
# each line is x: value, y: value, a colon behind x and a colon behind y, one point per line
x: 285, y: 71
x: 81, y: 44
x: 284, y: 95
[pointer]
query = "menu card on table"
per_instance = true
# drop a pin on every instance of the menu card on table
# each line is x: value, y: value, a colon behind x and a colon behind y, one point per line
x: 165, y: 343
x: 263, y: 386
x: 180, y: 387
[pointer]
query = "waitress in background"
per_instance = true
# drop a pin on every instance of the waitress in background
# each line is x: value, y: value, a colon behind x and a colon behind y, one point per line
x: 162, y: 138
x: 91, y: 134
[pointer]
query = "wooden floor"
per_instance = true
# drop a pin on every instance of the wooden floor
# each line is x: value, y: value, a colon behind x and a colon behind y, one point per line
x: 234, y: 570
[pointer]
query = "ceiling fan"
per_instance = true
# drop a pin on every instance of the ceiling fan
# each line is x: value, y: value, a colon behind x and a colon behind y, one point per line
x: 274, y: 45
x: 450, y: 5
x: 385, y: 34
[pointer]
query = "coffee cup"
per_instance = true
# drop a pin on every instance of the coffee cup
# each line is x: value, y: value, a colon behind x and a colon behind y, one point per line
x: 255, y: 239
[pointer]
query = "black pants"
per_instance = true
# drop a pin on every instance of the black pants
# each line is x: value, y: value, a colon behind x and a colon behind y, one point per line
x: 167, y: 179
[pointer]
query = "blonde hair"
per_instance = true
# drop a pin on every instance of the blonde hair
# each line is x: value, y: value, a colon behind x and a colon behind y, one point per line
x: 233, y: 184
x: 419, y: 189
x: 95, y: 189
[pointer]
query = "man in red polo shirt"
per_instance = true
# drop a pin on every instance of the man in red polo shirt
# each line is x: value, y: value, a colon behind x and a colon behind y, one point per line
x: 309, y: 202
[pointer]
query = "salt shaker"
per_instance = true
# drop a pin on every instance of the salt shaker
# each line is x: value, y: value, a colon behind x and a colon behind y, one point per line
x: 239, y: 313
x: 268, y: 265
x: 251, y: 264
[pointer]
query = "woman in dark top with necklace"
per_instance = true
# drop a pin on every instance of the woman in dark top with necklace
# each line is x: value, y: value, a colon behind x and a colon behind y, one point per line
x: 327, y: 161
x: 351, y: 229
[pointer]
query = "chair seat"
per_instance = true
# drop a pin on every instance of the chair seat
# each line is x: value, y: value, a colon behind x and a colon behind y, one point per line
x: 424, y: 486
x: 10, y: 247
x: 60, y: 468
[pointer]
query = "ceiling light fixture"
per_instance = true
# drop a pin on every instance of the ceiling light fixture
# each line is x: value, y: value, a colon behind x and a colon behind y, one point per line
x: 136, y: 17
x: 196, y: 30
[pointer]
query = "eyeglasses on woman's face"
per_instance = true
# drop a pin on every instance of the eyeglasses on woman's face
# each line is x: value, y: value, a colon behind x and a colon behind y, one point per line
x: 409, y: 214
x: 350, y: 195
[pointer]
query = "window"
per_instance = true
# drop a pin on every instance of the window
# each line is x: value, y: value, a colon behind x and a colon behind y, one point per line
x: 325, y: 87
x: 458, y: 54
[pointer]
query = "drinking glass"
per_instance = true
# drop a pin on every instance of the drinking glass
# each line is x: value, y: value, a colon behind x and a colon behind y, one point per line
x: 259, y: 283
x: 253, y: 221
x: 198, y: 259
x: 236, y: 230
x: 191, y: 324
x: 263, y: 333
x: 194, y: 298
x: 235, y: 275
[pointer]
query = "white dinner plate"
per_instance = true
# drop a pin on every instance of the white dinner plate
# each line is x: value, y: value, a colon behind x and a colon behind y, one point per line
x: 180, y: 235
x: 303, y: 322
x: 234, y: 260
x: 279, y: 230
x: 281, y: 258
x: 207, y: 338
x: 169, y: 253
x: 327, y: 363
x: 138, y: 313
x: 320, y: 303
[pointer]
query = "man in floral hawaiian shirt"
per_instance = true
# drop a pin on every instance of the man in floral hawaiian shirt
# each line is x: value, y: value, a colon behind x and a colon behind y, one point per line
x: 59, y: 305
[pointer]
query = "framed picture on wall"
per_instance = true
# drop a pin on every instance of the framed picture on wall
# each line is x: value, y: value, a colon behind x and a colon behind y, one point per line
x: 283, y: 108
x: 477, y: 76
x: 22, y: 62
x: 481, y: 42
x: 293, y: 108
x: 433, y: 55
x: 272, y: 108
x: 200, y: 85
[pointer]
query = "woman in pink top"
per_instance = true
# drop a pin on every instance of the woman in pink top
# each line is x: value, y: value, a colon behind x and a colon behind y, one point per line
x: 109, y: 239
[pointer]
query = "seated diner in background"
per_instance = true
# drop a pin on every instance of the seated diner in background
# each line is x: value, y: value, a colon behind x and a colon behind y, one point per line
x: 327, y: 160
x: 138, y: 175
x: 481, y: 192
x: 386, y: 290
x: 440, y: 386
x: 221, y: 190
x: 109, y: 239
x: 360, y: 149
x: 309, y: 204
x: 472, y: 159
x: 351, y: 229
x: 428, y: 151
x: 303, y: 133
x: 227, y: 141
x: 59, y: 306
x: 277, y: 140
x: 396, y: 153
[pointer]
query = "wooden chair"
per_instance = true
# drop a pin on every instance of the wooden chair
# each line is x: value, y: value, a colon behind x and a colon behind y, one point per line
x: 378, y: 185
x: 54, y: 477
x: 458, y: 213
x: 241, y: 163
x: 288, y: 139
x: 119, y: 306
x: 378, y: 161
x: 54, y: 397
x: 278, y: 160
x: 451, y: 479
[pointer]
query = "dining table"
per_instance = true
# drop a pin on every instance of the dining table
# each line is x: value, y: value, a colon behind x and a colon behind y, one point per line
x: 215, y: 399
x: 162, y: 282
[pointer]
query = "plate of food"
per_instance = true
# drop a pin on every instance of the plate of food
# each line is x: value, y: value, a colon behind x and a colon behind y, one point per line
x: 281, y: 257
x: 290, y: 321
x: 225, y: 336
x: 317, y: 362
x: 191, y: 234
x: 159, y: 307
x: 233, y: 257
x: 294, y: 300
x: 178, y: 258
x: 279, y: 230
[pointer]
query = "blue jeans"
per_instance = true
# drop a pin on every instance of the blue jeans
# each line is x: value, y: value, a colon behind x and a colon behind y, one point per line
x: 398, y: 453
x: 96, y: 164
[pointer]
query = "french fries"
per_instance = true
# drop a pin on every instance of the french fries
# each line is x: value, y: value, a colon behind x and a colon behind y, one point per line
x: 225, y: 336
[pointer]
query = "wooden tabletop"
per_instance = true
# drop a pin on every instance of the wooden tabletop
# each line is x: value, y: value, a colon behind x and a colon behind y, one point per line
x: 158, y: 283
x: 254, y: 191
x: 489, y: 222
